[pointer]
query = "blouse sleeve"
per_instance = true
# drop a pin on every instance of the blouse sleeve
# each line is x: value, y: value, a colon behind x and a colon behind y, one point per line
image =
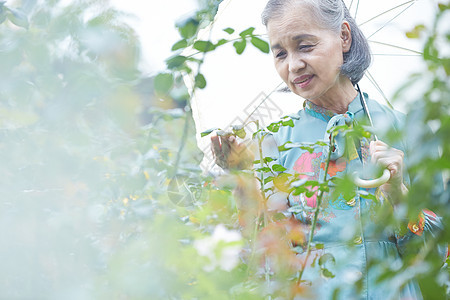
x: 428, y: 224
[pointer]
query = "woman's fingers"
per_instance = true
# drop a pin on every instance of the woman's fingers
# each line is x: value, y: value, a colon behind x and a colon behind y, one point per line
x: 389, y: 158
x: 217, y: 150
x: 224, y: 149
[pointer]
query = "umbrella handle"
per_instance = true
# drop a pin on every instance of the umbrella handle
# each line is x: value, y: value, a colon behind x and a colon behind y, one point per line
x: 372, y: 183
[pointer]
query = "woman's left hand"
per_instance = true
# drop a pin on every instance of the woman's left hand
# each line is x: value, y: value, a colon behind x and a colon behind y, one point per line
x: 392, y: 159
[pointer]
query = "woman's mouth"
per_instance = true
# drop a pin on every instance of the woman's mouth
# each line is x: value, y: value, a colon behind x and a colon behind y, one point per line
x: 303, y: 81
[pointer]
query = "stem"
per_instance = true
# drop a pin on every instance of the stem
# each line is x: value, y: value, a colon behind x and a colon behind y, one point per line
x: 316, y: 213
x: 264, y: 210
x: 186, y: 123
x: 182, y: 144
x: 255, y: 231
x: 261, y: 161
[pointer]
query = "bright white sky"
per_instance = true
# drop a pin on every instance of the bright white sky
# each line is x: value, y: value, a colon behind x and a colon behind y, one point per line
x: 155, y: 23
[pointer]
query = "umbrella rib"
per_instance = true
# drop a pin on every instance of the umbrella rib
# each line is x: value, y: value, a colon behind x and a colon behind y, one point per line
x: 350, y: 7
x: 385, y: 12
x: 376, y: 85
x: 392, y: 54
x: 396, y: 16
x: 356, y: 11
x: 397, y: 47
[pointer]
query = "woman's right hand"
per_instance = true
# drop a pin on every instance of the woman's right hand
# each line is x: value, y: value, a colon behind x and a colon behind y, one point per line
x: 231, y: 155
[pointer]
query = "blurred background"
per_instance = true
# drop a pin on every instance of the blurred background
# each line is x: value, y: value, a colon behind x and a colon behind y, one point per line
x: 85, y: 149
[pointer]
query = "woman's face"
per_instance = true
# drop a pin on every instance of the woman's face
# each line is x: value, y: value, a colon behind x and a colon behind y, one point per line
x: 307, y: 57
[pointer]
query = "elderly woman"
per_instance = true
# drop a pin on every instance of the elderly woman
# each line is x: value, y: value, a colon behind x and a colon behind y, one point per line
x: 321, y: 55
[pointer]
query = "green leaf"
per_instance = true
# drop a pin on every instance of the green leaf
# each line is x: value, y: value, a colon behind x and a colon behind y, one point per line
x: 288, y: 123
x: 326, y: 258
x: 208, y: 132
x: 204, y: 46
x: 18, y: 18
x: 284, y: 147
x: 260, y: 44
x: 279, y: 216
x: 319, y: 246
x: 415, y: 33
x: 239, y: 131
x: 200, y: 81
x: 278, y: 168
x: 268, y: 179
x: 299, y: 183
x: 281, y: 182
x: 268, y: 159
x: 446, y: 65
x: 175, y: 62
x: 321, y: 143
x: 274, y: 127
x: 309, y: 194
x: 263, y: 169
x: 247, y: 32
x: 240, y: 46
x: 229, y: 30
x: 163, y: 82
x: 443, y: 7
x: 179, y: 45
x: 221, y: 42
x: 326, y: 273
x: 188, y: 28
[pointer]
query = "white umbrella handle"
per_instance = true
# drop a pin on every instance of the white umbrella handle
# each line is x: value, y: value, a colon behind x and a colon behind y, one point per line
x: 372, y: 183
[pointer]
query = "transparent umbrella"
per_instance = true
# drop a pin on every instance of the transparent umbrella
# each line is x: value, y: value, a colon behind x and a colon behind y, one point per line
x: 243, y: 87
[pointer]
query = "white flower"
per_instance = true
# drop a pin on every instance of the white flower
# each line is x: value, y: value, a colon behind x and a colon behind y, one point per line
x: 222, y: 248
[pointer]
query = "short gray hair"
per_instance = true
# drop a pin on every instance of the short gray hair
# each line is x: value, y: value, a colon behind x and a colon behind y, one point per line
x: 331, y: 14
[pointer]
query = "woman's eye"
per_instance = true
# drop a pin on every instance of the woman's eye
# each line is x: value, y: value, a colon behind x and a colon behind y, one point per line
x: 280, y: 54
x: 305, y: 47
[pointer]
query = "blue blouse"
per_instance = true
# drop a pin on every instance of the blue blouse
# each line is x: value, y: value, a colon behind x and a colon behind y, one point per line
x: 345, y: 226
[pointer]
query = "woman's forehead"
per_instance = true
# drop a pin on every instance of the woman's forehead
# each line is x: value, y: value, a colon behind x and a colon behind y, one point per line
x: 293, y: 23
x: 294, y: 17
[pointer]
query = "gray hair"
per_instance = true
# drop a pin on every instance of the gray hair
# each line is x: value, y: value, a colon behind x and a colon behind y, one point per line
x: 331, y: 14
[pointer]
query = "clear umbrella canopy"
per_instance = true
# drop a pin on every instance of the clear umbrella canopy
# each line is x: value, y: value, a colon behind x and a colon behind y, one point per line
x: 246, y: 86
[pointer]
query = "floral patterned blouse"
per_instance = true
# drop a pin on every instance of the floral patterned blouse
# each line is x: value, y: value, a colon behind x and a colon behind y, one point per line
x: 345, y: 223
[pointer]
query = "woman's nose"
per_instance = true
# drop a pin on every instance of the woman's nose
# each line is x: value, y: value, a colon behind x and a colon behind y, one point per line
x: 296, y: 64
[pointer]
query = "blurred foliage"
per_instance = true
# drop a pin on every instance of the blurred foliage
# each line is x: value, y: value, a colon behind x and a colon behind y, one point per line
x: 86, y: 147
x: 101, y: 193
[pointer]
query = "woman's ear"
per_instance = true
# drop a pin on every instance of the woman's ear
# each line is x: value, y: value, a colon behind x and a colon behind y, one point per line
x: 346, y: 36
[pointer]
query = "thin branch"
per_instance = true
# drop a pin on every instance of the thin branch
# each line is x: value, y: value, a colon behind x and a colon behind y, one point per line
x: 182, y: 144
x: 186, y: 123
x: 316, y: 212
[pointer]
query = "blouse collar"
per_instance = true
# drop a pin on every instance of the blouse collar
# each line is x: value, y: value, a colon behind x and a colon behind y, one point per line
x: 326, y: 114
